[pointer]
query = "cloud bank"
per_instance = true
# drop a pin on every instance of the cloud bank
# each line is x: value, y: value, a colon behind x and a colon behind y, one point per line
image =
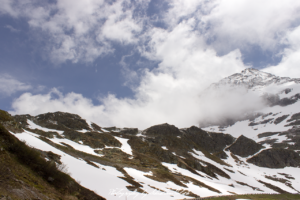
x: 199, y: 43
x: 78, y: 31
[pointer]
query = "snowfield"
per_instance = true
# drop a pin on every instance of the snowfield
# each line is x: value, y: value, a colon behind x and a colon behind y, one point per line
x: 106, y: 183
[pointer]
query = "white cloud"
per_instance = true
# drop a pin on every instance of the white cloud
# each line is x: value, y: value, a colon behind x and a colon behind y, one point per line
x: 6, y: 8
x: 175, y: 103
x: 290, y: 64
x: 120, y: 26
x: 188, y: 63
x: 12, y: 29
x: 170, y: 93
x: 228, y: 25
x: 238, y: 23
x: 82, y: 31
x: 78, y: 31
x: 56, y: 101
x: 9, y: 85
x: 181, y: 9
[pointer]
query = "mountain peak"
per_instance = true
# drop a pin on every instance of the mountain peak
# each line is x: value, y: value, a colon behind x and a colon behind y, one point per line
x: 251, y: 78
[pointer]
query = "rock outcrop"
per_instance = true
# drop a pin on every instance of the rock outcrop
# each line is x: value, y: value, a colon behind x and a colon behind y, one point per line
x: 244, y: 147
x: 276, y: 158
x: 162, y: 129
x: 211, y: 142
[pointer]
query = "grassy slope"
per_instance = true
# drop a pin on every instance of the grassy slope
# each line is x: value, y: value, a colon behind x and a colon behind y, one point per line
x: 25, y: 174
x: 261, y: 197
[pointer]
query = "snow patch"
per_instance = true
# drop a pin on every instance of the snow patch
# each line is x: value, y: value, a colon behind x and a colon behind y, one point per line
x: 32, y: 125
x: 164, y: 147
x: 125, y: 146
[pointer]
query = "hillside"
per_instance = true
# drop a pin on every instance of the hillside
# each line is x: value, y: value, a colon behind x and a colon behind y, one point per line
x: 254, y: 153
x: 27, y: 173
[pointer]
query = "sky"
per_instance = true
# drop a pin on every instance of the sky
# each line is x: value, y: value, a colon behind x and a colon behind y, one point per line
x: 141, y: 62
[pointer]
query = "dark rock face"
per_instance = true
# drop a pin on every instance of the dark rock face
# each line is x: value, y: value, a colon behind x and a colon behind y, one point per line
x: 274, y: 99
x: 276, y: 158
x: 280, y: 119
x: 244, y: 147
x: 287, y: 90
x: 68, y: 120
x: 162, y: 129
x: 93, y: 139
x: 266, y: 134
x: 58, y: 120
x: 130, y: 131
x: 295, y: 120
x: 221, y: 154
x: 211, y: 142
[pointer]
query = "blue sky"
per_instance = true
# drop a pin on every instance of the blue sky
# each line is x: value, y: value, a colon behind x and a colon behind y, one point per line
x: 137, y: 63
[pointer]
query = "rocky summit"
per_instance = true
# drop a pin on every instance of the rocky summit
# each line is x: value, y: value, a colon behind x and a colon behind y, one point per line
x: 68, y: 157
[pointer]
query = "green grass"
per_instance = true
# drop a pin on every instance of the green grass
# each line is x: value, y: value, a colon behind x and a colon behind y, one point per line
x: 260, y: 197
x: 47, y: 170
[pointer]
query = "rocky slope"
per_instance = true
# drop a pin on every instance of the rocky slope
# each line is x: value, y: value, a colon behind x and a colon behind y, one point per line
x: 259, y: 154
x: 28, y: 173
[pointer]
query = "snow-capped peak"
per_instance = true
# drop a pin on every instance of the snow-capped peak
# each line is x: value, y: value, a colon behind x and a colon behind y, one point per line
x: 251, y: 78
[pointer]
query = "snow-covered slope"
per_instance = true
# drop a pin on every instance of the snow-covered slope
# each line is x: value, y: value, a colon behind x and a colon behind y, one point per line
x: 105, y: 180
x: 282, y: 94
x: 164, y: 162
x: 255, y: 79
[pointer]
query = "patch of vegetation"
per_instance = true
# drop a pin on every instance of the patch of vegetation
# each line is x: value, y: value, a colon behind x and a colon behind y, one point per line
x: 295, y: 119
x: 5, y: 116
x: 237, y: 160
x: 129, y: 131
x: 135, y: 186
x: 49, y: 134
x: 295, y: 123
x: 201, y: 184
x: 47, y: 170
x: 259, y: 197
x: 92, y: 139
x: 280, y: 119
x: 266, y: 121
x: 273, y: 187
x: 266, y: 134
x: 229, y: 170
x: 140, y: 190
x: 288, y: 176
x: 242, y: 173
x: 185, y: 192
x: 220, y: 154
x: 282, y: 180
x: 155, y: 188
x: 67, y: 145
x: 214, y: 158
x: 91, y: 163
x: 245, y: 184
x: 96, y: 127
x: 113, y: 128
x: 164, y: 175
x: 139, y: 162
x: 8, y: 122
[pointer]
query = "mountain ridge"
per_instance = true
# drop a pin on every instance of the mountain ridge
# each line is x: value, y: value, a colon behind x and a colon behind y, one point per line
x: 166, y: 162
